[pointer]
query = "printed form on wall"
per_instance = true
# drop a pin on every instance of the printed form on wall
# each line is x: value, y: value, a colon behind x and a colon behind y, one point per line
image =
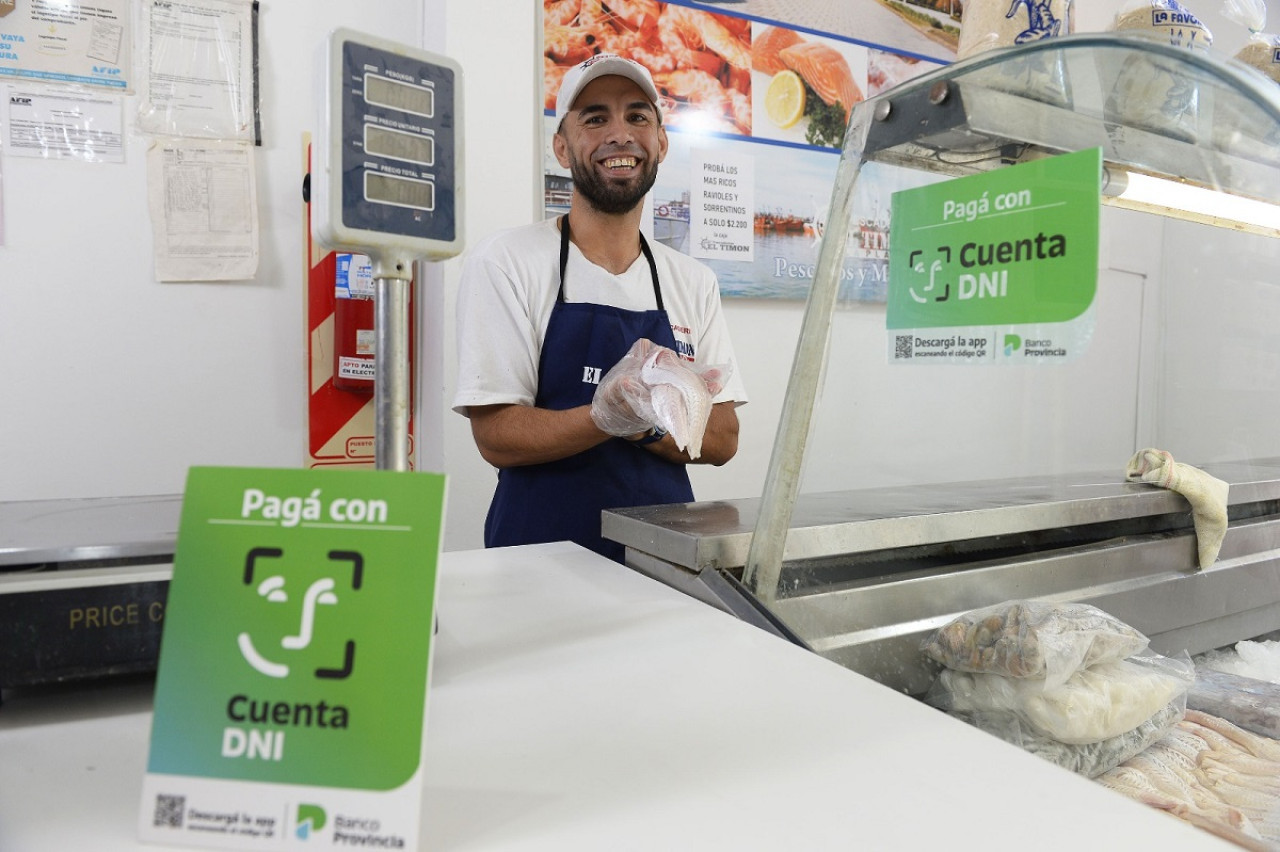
x: 200, y: 72
x: 204, y: 211
x: 64, y: 124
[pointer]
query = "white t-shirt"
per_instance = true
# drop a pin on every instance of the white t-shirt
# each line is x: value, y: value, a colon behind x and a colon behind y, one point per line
x: 509, y: 285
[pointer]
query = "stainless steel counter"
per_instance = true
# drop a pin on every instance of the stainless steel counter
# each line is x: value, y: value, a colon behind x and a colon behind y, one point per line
x: 869, y: 573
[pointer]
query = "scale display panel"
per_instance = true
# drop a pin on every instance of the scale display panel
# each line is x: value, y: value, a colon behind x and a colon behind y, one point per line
x: 391, y: 138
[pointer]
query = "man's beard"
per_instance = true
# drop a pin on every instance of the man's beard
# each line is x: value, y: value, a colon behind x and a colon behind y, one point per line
x: 611, y: 196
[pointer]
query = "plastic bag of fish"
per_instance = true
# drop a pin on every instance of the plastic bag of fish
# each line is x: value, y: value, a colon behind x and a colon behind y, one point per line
x: 1067, y: 682
x: 1049, y: 642
x: 652, y: 386
x: 1087, y: 759
x: 1102, y: 701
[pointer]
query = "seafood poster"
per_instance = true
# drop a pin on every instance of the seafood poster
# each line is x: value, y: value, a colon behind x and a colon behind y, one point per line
x: 758, y: 97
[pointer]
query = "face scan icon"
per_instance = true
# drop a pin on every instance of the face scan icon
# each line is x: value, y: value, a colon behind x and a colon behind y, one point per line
x: 273, y: 658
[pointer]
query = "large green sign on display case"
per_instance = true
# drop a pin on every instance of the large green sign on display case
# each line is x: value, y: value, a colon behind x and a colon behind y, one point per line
x: 1001, y: 265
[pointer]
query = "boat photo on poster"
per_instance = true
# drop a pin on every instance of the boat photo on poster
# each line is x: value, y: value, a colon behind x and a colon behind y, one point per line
x: 755, y: 101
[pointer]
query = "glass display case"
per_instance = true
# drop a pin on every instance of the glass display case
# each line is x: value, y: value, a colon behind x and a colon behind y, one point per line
x: 920, y: 490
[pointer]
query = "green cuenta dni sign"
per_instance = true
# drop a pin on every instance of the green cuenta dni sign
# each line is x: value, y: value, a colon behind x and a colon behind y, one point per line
x: 1014, y: 246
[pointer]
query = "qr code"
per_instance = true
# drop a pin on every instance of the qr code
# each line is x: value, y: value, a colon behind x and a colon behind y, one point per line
x: 902, y: 346
x: 169, y: 810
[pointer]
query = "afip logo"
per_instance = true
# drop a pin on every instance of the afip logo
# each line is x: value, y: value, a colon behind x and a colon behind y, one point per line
x: 1012, y: 343
x: 311, y: 818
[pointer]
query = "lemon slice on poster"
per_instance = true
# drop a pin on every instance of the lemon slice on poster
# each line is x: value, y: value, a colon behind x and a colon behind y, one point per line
x: 784, y: 99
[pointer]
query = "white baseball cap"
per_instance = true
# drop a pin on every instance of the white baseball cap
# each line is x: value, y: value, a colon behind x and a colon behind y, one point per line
x: 600, y: 65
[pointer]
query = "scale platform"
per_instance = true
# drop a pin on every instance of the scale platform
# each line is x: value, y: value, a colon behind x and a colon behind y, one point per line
x: 83, y: 584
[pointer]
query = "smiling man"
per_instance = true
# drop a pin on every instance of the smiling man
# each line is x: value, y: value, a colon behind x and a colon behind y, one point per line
x: 545, y: 311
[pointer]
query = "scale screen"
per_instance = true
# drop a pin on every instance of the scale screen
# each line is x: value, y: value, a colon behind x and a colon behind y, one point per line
x: 390, y: 147
x: 400, y: 146
x: 405, y: 97
x: 382, y: 189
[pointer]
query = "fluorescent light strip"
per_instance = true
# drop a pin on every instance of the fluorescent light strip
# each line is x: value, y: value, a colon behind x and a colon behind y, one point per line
x: 1138, y: 191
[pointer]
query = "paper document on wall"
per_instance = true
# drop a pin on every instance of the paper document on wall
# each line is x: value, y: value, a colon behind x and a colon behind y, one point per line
x: 204, y: 210
x: 64, y: 124
x: 59, y: 42
x: 201, y: 66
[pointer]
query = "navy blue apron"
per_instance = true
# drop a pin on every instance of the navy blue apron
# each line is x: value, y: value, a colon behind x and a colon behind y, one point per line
x: 562, y: 500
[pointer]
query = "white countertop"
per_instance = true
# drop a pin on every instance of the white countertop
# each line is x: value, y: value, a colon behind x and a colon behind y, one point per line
x: 575, y: 704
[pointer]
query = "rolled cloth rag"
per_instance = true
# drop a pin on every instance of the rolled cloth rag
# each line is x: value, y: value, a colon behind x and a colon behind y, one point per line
x: 1206, y: 494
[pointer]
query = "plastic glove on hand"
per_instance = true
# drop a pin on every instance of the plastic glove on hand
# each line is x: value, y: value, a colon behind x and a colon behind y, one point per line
x: 621, y: 403
x: 681, y: 396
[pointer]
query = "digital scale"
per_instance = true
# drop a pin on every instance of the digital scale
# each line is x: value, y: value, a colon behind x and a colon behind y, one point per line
x: 387, y: 184
x: 83, y: 582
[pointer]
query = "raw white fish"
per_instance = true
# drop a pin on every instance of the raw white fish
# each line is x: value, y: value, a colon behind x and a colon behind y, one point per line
x: 680, y: 399
x: 1212, y: 774
x: 1258, y: 746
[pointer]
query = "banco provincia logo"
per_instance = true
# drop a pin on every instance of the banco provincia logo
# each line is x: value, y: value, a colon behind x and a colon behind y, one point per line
x: 319, y: 593
x: 1012, y: 343
x: 311, y: 818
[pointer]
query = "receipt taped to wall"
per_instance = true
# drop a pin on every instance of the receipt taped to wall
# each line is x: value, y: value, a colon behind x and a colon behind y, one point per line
x: 204, y: 210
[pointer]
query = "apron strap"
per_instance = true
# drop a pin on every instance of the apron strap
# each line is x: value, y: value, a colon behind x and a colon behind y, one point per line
x: 644, y: 247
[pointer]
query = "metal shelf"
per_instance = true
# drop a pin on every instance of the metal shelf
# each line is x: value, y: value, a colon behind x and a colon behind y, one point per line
x: 866, y: 524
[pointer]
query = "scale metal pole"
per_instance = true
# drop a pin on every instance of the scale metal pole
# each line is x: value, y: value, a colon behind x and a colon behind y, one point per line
x: 391, y: 391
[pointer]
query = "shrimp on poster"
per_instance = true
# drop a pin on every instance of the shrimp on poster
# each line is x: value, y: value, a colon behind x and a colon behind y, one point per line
x: 697, y: 91
x: 569, y: 45
x: 684, y: 31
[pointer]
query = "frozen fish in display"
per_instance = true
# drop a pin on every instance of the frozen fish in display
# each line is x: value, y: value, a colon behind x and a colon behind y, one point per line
x: 1212, y: 774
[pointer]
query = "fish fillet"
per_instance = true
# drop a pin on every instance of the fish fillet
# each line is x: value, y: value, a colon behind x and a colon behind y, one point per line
x: 1225, y: 821
x: 826, y: 71
x: 1256, y: 745
x: 764, y: 50
x: 1244, y: 834
x: 680, y: 399
x: 1165, y: 767
x: 1184, y: 742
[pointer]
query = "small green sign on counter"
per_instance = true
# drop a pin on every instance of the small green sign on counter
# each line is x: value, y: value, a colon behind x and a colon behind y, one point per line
x: 291, y: 693
x: 996, y: 267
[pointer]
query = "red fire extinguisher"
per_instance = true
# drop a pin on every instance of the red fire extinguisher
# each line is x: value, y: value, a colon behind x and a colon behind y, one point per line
x: 353, y: 335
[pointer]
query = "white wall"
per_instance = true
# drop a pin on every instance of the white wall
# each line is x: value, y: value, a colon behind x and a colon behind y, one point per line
x: 113, y: 384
